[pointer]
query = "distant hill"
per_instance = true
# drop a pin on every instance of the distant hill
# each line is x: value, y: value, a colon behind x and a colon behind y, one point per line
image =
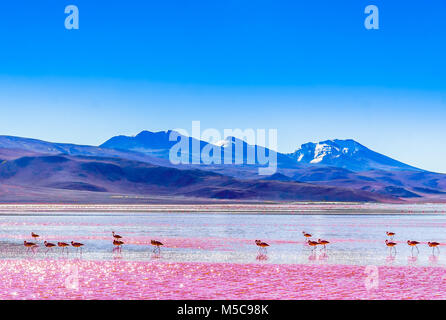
x: 118, y: 176
x: 12, y: 147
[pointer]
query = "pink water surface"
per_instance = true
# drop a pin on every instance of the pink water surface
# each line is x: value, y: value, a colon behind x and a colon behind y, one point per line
x: 83, y: 279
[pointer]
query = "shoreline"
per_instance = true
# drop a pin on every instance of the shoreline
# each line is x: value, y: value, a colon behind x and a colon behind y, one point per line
x: 307, y: 208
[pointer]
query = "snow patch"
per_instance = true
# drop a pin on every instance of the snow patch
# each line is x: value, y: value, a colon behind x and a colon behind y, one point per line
x: 222, y: 143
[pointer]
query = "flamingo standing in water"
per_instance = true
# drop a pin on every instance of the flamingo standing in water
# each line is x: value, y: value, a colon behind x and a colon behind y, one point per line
x: 77, y: 245
x: 118, y: 244
x: 391, y: 245
x: 29, y: 246
x: 312, y: 244
x: 306, y: 235
x: 323, y: 242
x: 262, y: 245
x: 116, y: 236
x: 157, y: 245
x: 63, y: 245
x: 34, y: 236
x: 390, y: 234
x: 413, y: 244
x: 48, y: 245
x: 434, y: 245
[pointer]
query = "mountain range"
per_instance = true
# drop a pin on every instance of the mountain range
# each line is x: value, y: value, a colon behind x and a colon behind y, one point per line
x: 137, y: 169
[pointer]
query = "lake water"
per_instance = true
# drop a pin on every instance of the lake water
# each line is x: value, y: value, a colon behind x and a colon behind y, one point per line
x: 221, y: 237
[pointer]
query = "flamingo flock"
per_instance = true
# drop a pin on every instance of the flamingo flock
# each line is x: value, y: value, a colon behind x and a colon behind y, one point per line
x: 389, y: 243
x: 314, y: 244
x: 32, y: 246
x: 411, y: 243
x: 118, y: 243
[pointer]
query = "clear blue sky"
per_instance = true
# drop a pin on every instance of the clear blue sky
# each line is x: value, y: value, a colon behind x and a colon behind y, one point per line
x: 308, y: 68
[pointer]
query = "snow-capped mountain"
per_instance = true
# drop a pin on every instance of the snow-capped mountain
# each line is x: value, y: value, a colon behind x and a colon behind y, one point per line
x: 347, y: 154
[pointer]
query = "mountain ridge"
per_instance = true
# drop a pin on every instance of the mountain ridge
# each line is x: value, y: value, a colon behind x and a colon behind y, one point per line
x: 370, y: 175
x: 118, y: 176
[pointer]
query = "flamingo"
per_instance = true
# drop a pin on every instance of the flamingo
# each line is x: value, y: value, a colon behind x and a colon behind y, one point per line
x: 34, y: 235
x: 48, y: 245
x: 323, y: 242
x: 262, y: 245
x: 116, y: 236
x: 434, y: 245
x: 391, y: 245
x: 118, y: 244
x: 29, y: 246
x: 63, y: 245
x: 306, y: 235
x: 312, y: 244
x: 157, y: 245
x: 77, y: 245
x: 390, y: 234
x: 413, y: 244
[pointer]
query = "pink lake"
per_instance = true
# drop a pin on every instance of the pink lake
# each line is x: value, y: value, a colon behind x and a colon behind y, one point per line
x: 81, y: 279
x: 213, y: 256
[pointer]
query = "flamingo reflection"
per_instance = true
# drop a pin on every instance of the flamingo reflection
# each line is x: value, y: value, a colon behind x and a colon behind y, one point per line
x: 262, y: 257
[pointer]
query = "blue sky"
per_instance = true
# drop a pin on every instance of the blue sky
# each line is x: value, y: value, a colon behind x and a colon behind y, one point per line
x: 308, y: 68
